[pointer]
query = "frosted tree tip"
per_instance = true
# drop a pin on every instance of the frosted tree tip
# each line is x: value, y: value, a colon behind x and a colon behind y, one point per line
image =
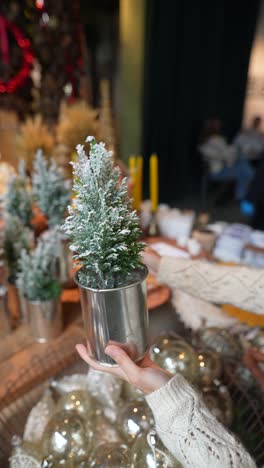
x: 89, y: 139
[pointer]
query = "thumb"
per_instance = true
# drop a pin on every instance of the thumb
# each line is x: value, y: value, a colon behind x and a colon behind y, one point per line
x: 123, y: 360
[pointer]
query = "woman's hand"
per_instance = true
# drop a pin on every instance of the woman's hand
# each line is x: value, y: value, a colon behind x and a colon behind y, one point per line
x: 145, y: 375
x: 151, y: 260
x: 251, y: 360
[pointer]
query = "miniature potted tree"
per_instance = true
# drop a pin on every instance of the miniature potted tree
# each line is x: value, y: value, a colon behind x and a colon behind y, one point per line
x: 52, y: 194
x: 18, y: 200
x: 41, y: 289
x: 16, y: 237
x: 105, y: 233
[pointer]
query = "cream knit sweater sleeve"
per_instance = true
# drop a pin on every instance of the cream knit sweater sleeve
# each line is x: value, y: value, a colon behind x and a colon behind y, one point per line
x: 239, y: 285
x: 190, y: 432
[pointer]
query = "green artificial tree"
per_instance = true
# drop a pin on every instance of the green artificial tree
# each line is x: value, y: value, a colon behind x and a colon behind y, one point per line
x: 50, y: 189
x: 15, y: 239
x: 103, y: 229
x: 18, y: 200
x: 37, y: 273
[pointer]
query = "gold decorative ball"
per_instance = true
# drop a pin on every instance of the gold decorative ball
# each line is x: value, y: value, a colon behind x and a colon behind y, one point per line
x: 221, y: 341
x: 77, y: 400
x: 129, y: 392
x: 148, y: 451
x: 67, y: 437
x: 134, y: 417
x: 105, y: 432
x: 175, y: 355
x: 209, y: 367
x: 110, y: 455
x: 218, y: 400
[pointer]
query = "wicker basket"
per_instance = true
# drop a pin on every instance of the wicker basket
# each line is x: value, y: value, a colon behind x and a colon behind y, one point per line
x: 16, y: 407
x: 249, y: 408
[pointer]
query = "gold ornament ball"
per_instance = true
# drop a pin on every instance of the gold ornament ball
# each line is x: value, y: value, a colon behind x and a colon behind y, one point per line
x: 209, y: 367
x: 67, y: 437
x: 143, y: 449
x: 104, y: 431
x: 129, y: 392
x: 175, y: 355
x: 133, y: 418
x: 218, y: 401
x: 221, y: 341
x: 110, y: 455
x: 77, y: 400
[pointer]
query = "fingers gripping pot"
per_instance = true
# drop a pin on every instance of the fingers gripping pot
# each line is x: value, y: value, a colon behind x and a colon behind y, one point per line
x: 116, y: 316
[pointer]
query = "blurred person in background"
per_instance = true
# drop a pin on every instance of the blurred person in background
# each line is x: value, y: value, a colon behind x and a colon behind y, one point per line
x: 223, y: 160
x: 250, y: 141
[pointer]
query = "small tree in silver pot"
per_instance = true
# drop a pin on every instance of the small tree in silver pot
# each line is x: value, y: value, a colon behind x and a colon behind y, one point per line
x: 105, y: 241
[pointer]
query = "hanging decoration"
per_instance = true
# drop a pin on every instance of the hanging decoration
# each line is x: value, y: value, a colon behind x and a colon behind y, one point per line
x: 11, y: 85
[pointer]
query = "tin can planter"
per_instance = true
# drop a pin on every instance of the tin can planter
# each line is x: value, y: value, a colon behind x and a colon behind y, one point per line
x: 45, y: 319
x: 116, y: 316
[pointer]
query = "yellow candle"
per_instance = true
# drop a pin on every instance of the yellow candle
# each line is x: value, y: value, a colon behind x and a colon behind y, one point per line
x: 139, y: 184
x: 132, y: 174
x: 154, y: 186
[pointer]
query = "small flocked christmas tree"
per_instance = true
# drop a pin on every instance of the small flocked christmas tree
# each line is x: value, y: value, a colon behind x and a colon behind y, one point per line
x: 16, y: 238
x: 18, y: 201
x: 103, y: 228
x: 50, y: 189
x: 37, y: 273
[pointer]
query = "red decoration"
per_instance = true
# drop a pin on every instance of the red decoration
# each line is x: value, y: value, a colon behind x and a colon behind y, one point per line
x: 17, y: 81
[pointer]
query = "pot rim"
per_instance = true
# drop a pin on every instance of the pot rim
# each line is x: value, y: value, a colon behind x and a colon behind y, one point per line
x: 144, y: 273
x: 37, y: 301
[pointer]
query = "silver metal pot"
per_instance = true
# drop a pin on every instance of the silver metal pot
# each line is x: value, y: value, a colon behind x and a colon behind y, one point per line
x: 45, y: 319
x: 116, y: 316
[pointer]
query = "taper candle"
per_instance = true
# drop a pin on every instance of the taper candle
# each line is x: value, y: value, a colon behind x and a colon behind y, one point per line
x: 132, y: 174
x: 154, y: 188
x: 139, y: 181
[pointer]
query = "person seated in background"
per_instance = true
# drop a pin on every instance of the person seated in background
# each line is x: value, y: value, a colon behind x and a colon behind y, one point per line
x: 253, y: 204
x: 223, y: 159
x: 250, y: 141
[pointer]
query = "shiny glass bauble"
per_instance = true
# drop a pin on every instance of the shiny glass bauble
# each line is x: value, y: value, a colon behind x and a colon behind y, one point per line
x: 175, y: 355
x: 110, y: 455
x: 67, y: 437
x: 134, y: 417
x: 218, y: 400
x: 221, y: 341
x: 104, y: 431
x: 77, y: 400
x: 209, y: 367
x: 129, y: 392
x: 149, y: 452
